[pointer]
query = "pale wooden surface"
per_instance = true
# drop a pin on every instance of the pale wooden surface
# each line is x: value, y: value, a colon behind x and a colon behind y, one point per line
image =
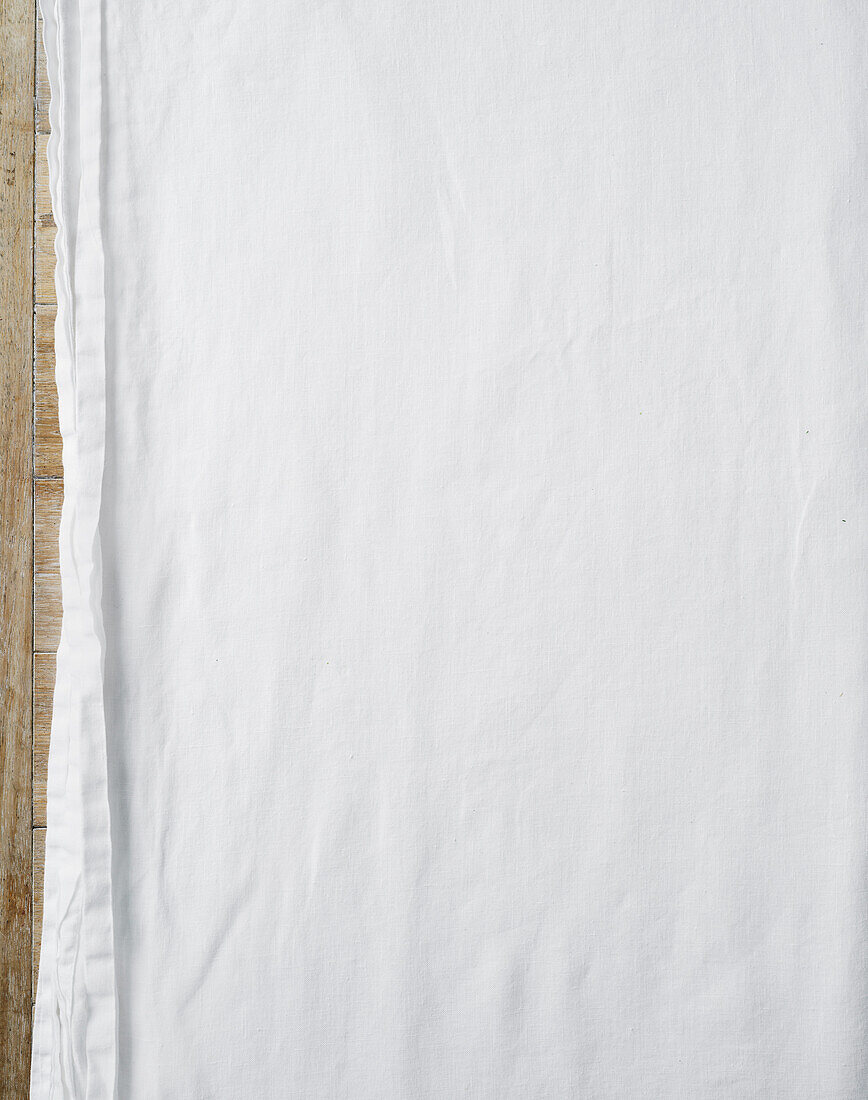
x: 32, y: 492
x: 17, y: 78
x: 46, y: 443
x: 47, y: 489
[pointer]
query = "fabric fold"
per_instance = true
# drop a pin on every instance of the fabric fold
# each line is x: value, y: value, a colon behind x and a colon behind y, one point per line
x: 74, y: 1024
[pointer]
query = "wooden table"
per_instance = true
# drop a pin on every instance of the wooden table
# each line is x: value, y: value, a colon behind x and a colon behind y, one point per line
x: 31, y: 476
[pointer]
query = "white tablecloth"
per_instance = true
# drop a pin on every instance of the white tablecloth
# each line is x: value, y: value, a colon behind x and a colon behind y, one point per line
x: 462, y: 690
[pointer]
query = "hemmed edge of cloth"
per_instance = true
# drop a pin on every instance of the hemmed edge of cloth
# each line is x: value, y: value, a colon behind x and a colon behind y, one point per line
x: 74, y: 1043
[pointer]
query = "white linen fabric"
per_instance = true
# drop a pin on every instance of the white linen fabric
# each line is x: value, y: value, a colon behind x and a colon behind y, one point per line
x: 462, y: 688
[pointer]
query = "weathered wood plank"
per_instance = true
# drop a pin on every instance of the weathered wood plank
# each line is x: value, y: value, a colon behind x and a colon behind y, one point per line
x: 45, y: 231
x: 44, y: 669
x: 47, y: 501
x: 17, y: 28
x: 41, y: 193
x: 44, y: 260
x: 47, y: 612
x: 38, y: 872
x: 43, y: 95
x: 47, y: 442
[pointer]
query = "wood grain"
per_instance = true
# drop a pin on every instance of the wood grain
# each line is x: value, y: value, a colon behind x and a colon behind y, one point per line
x: 47, y: 612
x: 47, y: 500
x: 47, y: 495
x: 47, y: 443
x: 43, y: 274
x: 44, y: 667
x: 17, y: 28
x: 43, y: 93
x: 45, y: 229
x: 38, y: 884
x: 41, y: 192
